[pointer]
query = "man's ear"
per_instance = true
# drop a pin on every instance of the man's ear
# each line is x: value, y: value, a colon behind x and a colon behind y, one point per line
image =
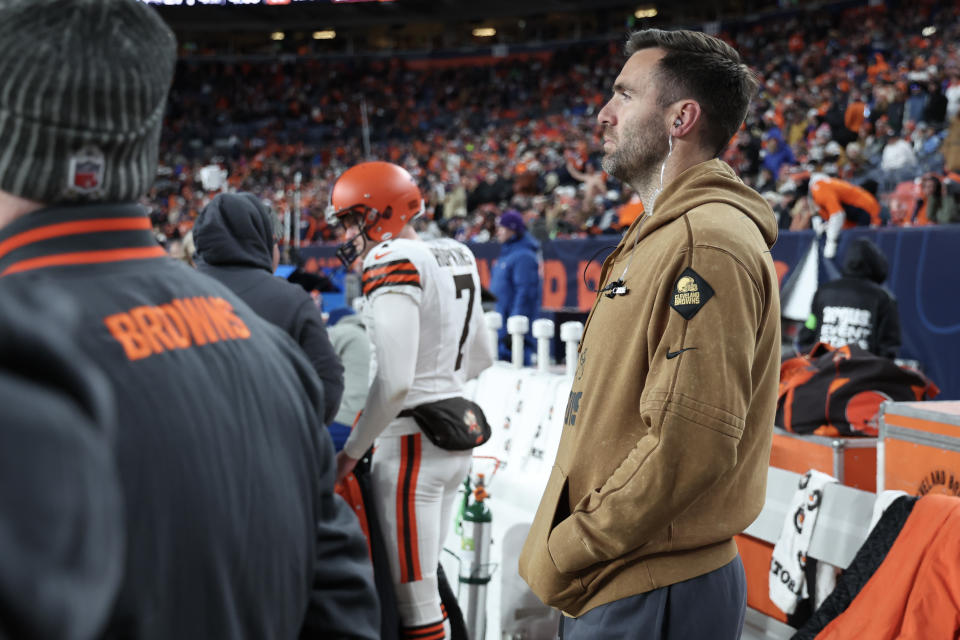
x: 685, y: 116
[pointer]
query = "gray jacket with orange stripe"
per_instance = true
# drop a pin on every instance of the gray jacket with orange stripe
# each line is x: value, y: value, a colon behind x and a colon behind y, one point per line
x: 232, y: 527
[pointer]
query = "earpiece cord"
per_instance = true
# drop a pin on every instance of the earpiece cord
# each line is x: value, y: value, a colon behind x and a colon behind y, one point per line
x: 656, y: 193
x: 636, y: 240
x: 583, y: 275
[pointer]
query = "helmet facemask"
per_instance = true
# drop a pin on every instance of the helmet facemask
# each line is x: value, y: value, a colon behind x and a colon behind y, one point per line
x: 364, y: 219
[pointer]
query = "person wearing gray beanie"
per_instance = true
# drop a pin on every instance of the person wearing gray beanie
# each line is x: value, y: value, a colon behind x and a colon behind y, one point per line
x: 232, y: 528
x: 84, y: 88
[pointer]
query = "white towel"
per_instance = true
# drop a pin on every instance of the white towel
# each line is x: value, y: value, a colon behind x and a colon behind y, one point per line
x: 787, y: 583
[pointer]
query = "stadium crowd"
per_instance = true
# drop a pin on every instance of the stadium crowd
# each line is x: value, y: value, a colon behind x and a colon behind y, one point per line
x: 869, y: 95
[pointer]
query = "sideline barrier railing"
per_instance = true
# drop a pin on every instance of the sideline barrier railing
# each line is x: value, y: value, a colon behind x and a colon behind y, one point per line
x: 525, y: 407
x: 494, y: 321
x: 517, y: 327
x: 543, y: 331
x: 571, y: 334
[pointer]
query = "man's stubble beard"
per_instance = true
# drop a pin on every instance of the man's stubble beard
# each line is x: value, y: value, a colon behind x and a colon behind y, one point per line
x: 641, y: 149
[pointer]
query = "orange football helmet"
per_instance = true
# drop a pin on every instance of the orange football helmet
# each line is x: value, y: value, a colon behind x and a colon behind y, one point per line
x: 376, y: 197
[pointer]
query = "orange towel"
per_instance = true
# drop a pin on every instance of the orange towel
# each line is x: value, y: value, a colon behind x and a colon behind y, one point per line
x: 915, y: 594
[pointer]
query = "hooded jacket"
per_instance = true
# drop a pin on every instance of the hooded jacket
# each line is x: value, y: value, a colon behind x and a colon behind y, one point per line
x: 234, y: 239
x: 515, y: 281
x: 666, y: 439
x: 856, y: 308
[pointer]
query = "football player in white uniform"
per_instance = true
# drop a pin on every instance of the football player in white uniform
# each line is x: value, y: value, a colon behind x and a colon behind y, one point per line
x: 426, y: 326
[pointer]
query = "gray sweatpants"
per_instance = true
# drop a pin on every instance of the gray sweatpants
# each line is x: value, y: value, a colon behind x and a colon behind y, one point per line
x: 708, y: 607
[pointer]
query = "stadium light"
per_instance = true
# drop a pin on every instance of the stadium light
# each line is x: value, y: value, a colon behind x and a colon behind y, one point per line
x: 326, y: 34
x: 648, y: 12
x: 277, y: 35
x: 484, y: 32
x: 928, y: 31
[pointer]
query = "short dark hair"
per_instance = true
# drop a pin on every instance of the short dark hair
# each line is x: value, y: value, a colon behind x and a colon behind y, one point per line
x: 703, y: 68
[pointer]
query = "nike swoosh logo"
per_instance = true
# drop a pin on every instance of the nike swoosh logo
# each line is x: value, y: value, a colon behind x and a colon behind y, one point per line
x: 673, y: 354
x: 378, y: 256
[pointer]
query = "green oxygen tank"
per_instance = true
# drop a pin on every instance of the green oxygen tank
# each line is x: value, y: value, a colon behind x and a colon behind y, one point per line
x: 475, y: 564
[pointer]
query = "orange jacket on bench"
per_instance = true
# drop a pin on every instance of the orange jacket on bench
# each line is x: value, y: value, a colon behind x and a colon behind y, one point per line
x: 914, y: 595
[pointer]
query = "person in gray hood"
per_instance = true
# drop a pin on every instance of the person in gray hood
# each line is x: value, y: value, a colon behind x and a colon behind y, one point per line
x: 236, y: 244
x: 350, y: 340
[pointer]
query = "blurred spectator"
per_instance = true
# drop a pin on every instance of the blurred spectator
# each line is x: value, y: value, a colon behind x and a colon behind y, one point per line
x: 236, y: 244
x: 848, y: 83
x: 494, y: 189
x: 515, y: 280
x: 935, y: 111
x: 896, y: 109
x: 916, y: 104
x: 951, y: 146
x: 953, y: 95
x: 898, y: 154
x: 935, y: 205
x: 925, y: 142
x: 776, y: 153
x: 352, y: 345
x: 855, y: 115
x: 455, y: 200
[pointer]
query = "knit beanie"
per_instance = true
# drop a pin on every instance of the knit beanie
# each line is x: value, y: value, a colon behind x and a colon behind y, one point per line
x: 83, y: 85
x: 511, y: 219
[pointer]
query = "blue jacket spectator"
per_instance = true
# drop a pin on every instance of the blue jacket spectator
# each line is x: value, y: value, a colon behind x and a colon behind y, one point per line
x: 915, y: 104
x: 515, y: 279
x: 778, y: 152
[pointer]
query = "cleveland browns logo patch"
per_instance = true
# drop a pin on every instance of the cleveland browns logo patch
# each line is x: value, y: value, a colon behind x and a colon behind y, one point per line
x: 690, y: 293
x: 470, y: 420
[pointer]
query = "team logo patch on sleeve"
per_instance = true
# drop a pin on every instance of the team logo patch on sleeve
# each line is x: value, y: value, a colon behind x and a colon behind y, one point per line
x: 690, y: 293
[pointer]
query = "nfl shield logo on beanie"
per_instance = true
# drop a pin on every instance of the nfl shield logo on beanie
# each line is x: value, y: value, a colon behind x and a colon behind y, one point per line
x: 86, y: 171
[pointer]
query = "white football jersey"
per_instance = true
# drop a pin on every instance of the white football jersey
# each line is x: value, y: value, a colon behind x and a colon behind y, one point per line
x: 441, y: 277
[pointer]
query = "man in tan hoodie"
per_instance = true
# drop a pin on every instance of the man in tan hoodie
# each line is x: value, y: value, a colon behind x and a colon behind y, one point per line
x: 666, y: 439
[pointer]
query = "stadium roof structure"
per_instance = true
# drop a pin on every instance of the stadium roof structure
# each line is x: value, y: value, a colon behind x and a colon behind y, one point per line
x: 342, y: 13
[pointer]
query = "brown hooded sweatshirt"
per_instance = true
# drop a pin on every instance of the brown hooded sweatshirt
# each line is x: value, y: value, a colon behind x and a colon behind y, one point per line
x: 666, y: 441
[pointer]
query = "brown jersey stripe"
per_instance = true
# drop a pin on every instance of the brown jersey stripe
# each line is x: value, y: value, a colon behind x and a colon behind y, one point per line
x: 399, y: 265
x: 370, y: 279
x: 392, y: 263
x: 393, y: 280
